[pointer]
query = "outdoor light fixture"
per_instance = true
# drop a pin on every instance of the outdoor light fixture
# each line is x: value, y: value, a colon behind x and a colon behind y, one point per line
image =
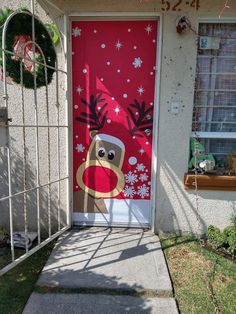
x: 182, y: 25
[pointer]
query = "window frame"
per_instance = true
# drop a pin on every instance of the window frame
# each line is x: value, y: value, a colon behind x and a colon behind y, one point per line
x: 208, y: 134
x: 211, y: 182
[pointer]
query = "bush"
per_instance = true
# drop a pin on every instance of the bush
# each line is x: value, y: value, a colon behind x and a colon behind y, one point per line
x: 225, y: 239
x: 233, y: 220
x: 215, y: 236
x: 229, y: 234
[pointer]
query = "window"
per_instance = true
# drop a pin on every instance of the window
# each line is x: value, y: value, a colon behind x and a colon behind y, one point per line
x: 214, y: 117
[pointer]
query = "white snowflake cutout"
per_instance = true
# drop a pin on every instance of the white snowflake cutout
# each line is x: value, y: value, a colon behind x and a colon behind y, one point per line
x: 143, y: 191
x: 80, y: 148
x: 129, y: 191
x: 76, y: 32
x: 143, y: 177
x: 148, y: 29
x: 117, y: 110
x: 79, y: 89
x: 131, y: 178
x: 118, y: 45
x: 137, y: 62
x: 140, y: 90
x: 140, y: 167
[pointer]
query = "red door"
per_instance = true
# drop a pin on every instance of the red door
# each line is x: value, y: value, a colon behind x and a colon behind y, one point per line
x: 113, y: 67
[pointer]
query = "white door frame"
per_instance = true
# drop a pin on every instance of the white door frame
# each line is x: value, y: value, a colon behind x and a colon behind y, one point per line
x: 117, y: 16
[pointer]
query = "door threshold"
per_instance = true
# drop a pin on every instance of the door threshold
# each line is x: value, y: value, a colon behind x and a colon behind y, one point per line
x: 115, y: 225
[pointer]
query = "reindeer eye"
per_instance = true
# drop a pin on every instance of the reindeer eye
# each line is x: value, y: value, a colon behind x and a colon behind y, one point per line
x: 101, y: 152
x: 111, y: 154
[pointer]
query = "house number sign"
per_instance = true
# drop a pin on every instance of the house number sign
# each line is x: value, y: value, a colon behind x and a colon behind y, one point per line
x: 177, y: 6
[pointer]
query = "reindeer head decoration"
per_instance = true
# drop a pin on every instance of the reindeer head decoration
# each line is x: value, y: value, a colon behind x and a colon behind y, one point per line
x: 100, y: 175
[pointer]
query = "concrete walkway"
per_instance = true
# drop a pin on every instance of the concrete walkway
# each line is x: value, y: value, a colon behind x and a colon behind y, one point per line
x: 104, y: 270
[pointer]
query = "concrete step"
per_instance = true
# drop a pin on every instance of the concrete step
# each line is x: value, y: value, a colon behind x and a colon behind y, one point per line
x: 104, y: 270
x: 97, y: 304
x: 107, y: 258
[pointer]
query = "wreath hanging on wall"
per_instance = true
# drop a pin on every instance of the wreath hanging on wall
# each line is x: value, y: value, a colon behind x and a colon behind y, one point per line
x: 19, y: 35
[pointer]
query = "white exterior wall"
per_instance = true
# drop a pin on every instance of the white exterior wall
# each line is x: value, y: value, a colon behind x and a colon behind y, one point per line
x: 175, y: 207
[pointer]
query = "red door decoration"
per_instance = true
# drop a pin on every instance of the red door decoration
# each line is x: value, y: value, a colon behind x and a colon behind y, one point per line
x: 113, y: 65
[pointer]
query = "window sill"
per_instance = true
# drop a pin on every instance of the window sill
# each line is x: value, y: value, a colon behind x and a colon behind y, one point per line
x: 210, y: 182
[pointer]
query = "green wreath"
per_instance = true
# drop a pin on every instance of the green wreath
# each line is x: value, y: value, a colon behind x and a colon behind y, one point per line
x: 21, y: 25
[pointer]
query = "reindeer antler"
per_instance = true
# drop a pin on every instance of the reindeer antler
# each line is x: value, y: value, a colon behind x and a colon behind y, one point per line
x: 142, y: 122
x: 95, y: 117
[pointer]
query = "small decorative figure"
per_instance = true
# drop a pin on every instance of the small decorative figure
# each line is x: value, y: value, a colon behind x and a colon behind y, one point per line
x: 200, y: 160
x: 207, y: 165
x: 232, y: 162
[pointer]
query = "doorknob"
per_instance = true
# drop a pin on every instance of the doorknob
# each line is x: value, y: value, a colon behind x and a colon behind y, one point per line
x: 147, y: 132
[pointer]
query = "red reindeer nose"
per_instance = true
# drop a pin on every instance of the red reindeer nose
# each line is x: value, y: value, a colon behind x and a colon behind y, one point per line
x: 100, y: 179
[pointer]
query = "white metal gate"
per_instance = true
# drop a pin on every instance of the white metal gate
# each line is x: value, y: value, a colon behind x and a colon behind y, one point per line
x: 34, y: 175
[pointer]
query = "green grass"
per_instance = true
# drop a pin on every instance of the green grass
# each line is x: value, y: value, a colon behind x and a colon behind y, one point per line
x: 193, y: 271
x: 202, y: 280
x: 5, y: 255
x: 17, y: 285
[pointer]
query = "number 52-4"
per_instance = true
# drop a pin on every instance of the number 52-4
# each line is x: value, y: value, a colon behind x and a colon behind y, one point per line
x: 166, y: 6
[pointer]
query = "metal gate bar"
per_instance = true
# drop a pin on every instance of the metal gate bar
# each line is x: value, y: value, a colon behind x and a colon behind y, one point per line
x: 31, y: 189
x: 37, y: 130
x: 24, y: 147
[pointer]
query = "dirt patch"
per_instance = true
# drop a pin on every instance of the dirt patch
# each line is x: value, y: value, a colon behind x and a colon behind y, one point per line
x: 221, y: 280
x: 181, y: 256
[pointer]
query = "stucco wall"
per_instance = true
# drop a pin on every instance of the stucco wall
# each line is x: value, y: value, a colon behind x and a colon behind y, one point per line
x: 175, y: 207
